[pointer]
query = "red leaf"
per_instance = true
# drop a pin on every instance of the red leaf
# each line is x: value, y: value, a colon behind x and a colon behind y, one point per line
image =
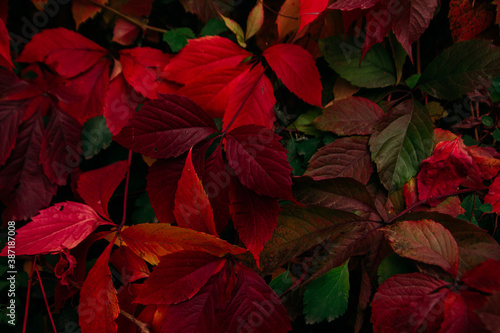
x: 142, y: 67
x: 22, y: 174
x: 204, y: 54
x: 67, y: 52
x: 60, y: 152
x: 137, y: 8
x: 409, y: 302
x: 98, y: 307
x: 130, y: 266
x: 412, y: 20
x: 82, y: 11
x: 259, y: 160
x: 346, y: 157
x: 255, y: 216
x: 253, y: 298
x: 487, y: 160
x: 484, y: 277
x: 490, y: 313
x: 297, y: 69
x: 252, y: 100
x: 166, y: 127
x: 310, y: 10
x: 5, y: 59
x: 11, y: 115
x: 57, y: 228
x: 493, y: 196
x: 425, y: 241
x: 353, y: 4
x: 468, y: 19
x: 178, y: 277
x: 451, y: 206
x: 445, y: 170
x: 97, y: 186
x: 124, y: 32
x: 192, y: 207
x: 64, y: 267
x: 350, y: 116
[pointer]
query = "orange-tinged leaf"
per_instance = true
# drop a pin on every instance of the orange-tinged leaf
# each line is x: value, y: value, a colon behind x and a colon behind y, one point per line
x: 84, y: 10
x: 255, y: 20
x: 192, y: 207
x: 236, y: 29
x: 487, y: 160
x: 288, y: 18
x: 130, y: 266
x: 98, y: 306
x: 450, y: 206
x: 153, y: 240
x: 443, y: 135
x: 425, y: 241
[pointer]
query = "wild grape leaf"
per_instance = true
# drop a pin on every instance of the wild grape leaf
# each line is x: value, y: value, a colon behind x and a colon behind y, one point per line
x: 376, y: 70
x: 350, y: 116
x: 327, y: 296
x: 255, y: 20
x: 339, y: 193
x: 412, y: 20
x: 98, y: 307
x: 445, y: 170
x: 192, y: 207
x: 254, y: 216
x: 289, y: 8
x: 166, y: 127
x: 310, y: 10
x: 82, y: 11
x: 468, y: 19
x: 11, y: 115
x: 259, y: 161
x: 490, y: 312
x: 5, y: 59
x: 59, y: 151
x: 425, y: 241
x: 125, y: 32
x: 66, y: 51
x: 178, y: 277
x: 130, y: 266
x: 345, y: 157
x: 22, y: 172
x: 252, y: 100
x: 142, y: 67
x: 204, y: 54
x: 462, y: 68
x: 297, y: 70
x: 493, y: 195
x: 417, y: 295
x: 400, y: 142
x: 153, y: 240
x: 96, y: 187
x: 57, y: 228
x: 250, y: 296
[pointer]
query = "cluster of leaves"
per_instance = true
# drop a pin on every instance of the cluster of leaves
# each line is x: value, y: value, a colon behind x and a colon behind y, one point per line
x: 388, y: 224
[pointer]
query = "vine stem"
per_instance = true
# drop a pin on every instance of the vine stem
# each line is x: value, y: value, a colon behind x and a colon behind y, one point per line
x: 135, y: 21
x: 277, y: 13
x: 125, y: 193
x: 45, y: 298
x: 437, y: 197
x: 243, y: 103
x: 142, y: 326
x: 25, y: 321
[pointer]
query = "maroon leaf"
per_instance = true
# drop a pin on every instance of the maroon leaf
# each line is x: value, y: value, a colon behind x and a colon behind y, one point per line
x: 484, y: 277
x: 493, y: 196
x: 353, y: 4
x: 5, y: 59
x: 254, y: 216
x: 57, y: 228
x: 490, y: 312
x: 346, y: 157
x: 60, y: 152
x: 11, y: 115
x: 178, y: 277
x: 166, y: 127
x: 350, y: 116
x: 130, y: 266
x: 259, y: 161
x: 97, y: 186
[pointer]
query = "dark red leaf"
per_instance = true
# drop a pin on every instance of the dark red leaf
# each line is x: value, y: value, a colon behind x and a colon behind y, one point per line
x: 11, y: 115
x: 254, y: 216
x: 130, y: 266
x: 57, y: 228
x: 259, y: 161
x: 484, y: 277
x: 166, y: 127
x: 97, y: 186
x: 468, y: 19
x: 490, y: 312
x: 178, y: 277
x: 82, y: 11
x: 353, y: 4
x: 297, y: 70
x: 125, y: 32
x: 5, y: 59
x: 204, y: 54
x: 60, y: 151
x: 493, y: 196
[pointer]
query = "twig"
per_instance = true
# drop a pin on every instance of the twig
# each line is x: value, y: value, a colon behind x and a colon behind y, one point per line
x: 25, y: 321
x: 45, y: 299
x: 142, y: 326
x: 125, y: 193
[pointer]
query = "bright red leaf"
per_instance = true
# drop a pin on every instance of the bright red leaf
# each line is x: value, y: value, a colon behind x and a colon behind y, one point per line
x: 96, y: 187
x: 57, y: 228
x: 310, y: 10
x: 5, y: 59
x: 297, y: 70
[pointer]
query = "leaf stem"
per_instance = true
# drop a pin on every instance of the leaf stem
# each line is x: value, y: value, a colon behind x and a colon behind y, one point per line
x: 125, y: 193
x: 142, y: 326
x: 437, y: 197
x: 243, y: 103
x: 30, y: 279
x: 45, y: 299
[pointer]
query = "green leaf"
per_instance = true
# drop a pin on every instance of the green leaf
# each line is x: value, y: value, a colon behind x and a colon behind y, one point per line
x: 178, y: 38
x: 213, y: 27
x: 401, y: 141
x: 462, y: 68
x: 392, y: 265
x: 376, y: 70
x: 399, y: 54
x: 281, y: 283
x: 496, y: 134
x: 487, y: 121
x: 304, y: 122
x: 95, y: 136
x: 327, y: 296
